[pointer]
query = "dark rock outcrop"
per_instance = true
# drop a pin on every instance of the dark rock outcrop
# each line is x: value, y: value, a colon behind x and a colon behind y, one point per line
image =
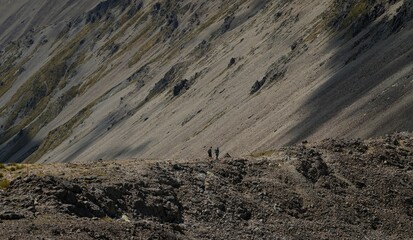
x: 101, y: 11
x: 181, y: 86
x: 257, y: 85
x: 175, y: 72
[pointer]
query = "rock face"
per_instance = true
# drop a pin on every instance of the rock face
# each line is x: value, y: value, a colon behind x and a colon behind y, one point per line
x: 312, y: 166
x: 257, y: 85
x: 80, y: 78
x: 181, y: 86
x: 312, y: 191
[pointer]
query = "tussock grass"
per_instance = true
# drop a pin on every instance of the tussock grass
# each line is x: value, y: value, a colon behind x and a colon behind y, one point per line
x: 127, y: 24
x: 4, y: 183
x: 322, y: 24
x: 359, y: 8
x: 15, y: 167
x: 60, y: 134
x: 39, y: 88
x: 142, y: 33
x: 268, y: 153
x: 149, y: 44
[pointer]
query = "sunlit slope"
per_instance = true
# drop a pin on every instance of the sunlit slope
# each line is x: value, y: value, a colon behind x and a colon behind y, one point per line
x: 83, y: 80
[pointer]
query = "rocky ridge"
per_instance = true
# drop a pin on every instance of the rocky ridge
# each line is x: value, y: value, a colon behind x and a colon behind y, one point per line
x: 346, y: 189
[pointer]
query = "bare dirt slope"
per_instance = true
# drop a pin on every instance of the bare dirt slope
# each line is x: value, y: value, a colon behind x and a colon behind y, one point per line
x: 342, y: 189
x: 88, y: 80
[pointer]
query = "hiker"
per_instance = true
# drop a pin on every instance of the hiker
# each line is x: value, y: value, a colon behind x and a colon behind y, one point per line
x: 217, y: 153
x: 210, y: 152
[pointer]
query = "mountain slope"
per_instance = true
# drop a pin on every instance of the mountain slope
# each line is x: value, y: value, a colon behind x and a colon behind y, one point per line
x: 84, y: 80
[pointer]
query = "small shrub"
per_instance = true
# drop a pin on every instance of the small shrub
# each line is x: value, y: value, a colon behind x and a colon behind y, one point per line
x: 20, y: 166
x: 4, y: 183
x: 107, y: 219
x: 14, y: 167
x: 268, y: 153
x: 1, y: 175
x: 2, y: 166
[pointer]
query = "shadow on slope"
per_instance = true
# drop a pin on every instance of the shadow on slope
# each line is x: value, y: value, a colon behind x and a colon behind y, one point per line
x: 11, y: 149
x: 377, y: 53
x: 104, y: 127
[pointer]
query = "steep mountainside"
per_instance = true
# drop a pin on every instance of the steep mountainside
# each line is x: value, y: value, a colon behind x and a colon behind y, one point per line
x: 88, y: 79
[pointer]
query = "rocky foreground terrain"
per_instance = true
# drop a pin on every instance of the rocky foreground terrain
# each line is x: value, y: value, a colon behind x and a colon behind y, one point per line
x: 342, y: 189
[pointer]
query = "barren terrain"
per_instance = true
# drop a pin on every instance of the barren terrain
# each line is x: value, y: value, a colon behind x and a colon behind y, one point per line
x: 84, y: 80
x: 108, y: 107
x: 334, y: 189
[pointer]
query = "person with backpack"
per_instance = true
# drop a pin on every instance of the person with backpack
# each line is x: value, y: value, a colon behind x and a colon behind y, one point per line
x: 210, y: 152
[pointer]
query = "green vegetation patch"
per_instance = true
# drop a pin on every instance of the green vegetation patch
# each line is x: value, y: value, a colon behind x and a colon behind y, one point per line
x: 352, y: 16
x: 126, y: 23
x: 267, y: 153
x: 355, y: 12
x: 148, y: 45
x: 4, y: 183
x: 13, y: 167
x: 60, y: 134
x: 32, y: 99
x: 142, y: 34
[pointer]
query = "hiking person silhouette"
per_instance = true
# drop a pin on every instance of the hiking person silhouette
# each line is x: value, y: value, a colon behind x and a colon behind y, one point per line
x: 217, y: 153
x: 210, y: 152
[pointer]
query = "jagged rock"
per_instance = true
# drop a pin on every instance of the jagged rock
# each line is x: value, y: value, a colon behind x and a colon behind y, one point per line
x: 182, y: 85
x: 8, y: 215
x: 182, y: 198
x: 172, y: 74
x: 294, y: 46
x: 227, y: 23
x: 404, y: 14
x: 101, y: 10
x: 157, y: 7
x: 135, y: 8
x: 231, y: 62
x: 312, y: 166
x: 202, y: 48
x: 257, y: 85
x: 333, y: 189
